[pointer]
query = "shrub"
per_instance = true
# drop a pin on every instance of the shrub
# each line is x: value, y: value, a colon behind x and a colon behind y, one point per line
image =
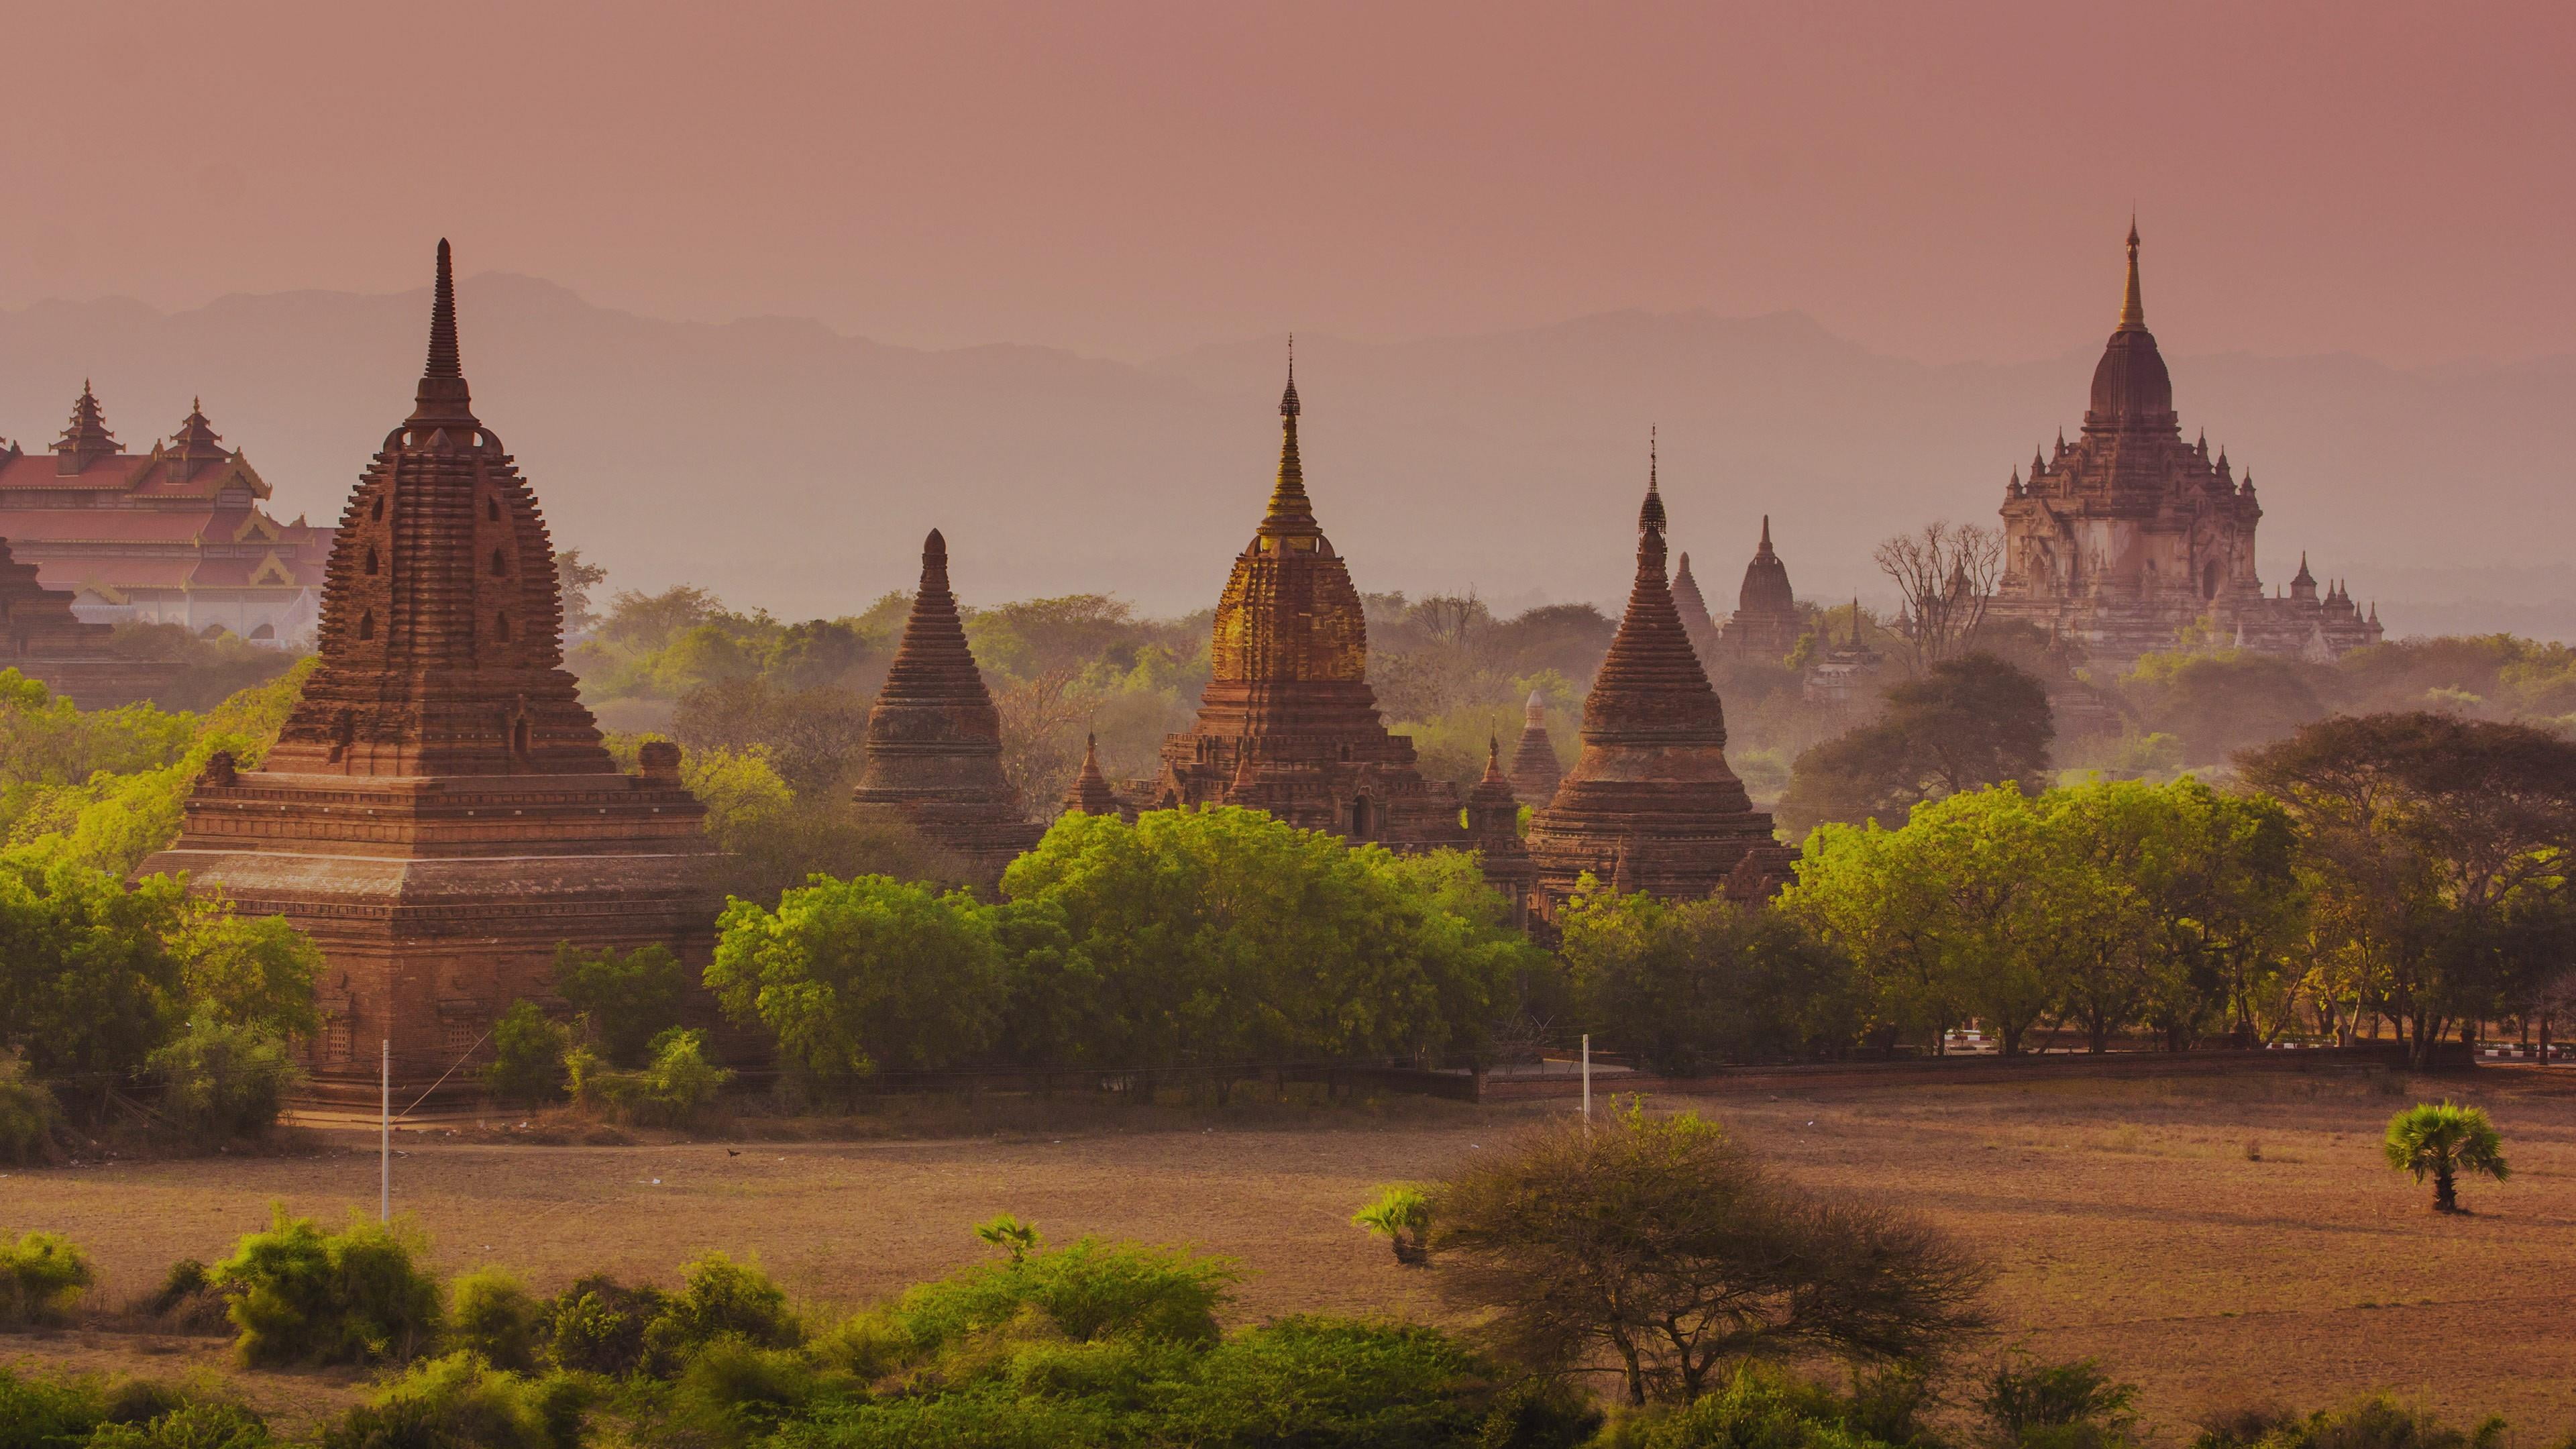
x: 492, y: 1315
x: 1403, y: 1216
x: 220, y: 1080
x: 2059, y: 1406
x: 718, y: 1298
x: 298, y: 1293
x: 2377, y: 1421
x: 186, y: 1299
x: 27, y: 1115
x: 597, y: 1325
x: 671, y: 1092
x: 41, y: 1276
x: 461, y: 1402
x: 1088, y: 1290
x: 1755, y: 1408
x: 39, y: 1412
x: 205, y: 1425
x: 528, y: 1055
x: 1320, y: 1381
x: 732, y: 1391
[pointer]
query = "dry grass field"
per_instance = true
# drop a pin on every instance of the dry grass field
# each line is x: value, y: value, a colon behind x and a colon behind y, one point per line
x: 2215, y: 1239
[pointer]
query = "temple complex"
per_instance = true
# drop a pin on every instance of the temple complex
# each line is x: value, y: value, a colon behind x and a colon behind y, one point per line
x: 1288, y: 723
x: 1652, y: 805
x: 1494, y: 829
x: 934, y: 748
x: 175, y: 535
x: 42, y: 639
x: 1535, y: 769
x: 1765, y: 625
x: 439, y: 811
x: 2119, y: 541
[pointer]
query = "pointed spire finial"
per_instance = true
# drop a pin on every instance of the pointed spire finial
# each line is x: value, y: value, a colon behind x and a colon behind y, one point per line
x: 443, y: 399
x: 1766, y: 533
x: 1288, y: 400
x: 1650, y: 518
x: 2133, y: 312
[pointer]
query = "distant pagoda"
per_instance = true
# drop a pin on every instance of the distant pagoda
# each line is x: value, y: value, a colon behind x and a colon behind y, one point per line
x: 934, y: 746
x: 1091, y: 793
x: 439, y: 811
x: 1765, y: 625
x: 1288, y: 723
x: 1692, y: 605
x: 1494, y: 829
x: 1535, y: 770
x: 45, y: 641
x: 1652, y: 805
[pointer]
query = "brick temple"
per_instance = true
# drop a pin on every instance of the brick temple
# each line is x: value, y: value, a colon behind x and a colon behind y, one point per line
x: 45, y: 641
x: 1652, y: 804
x: 934, y: 746
x: 2119, y: 541
x: 1535, y: 769
x: 439, y: 811
x: 1288, y: 723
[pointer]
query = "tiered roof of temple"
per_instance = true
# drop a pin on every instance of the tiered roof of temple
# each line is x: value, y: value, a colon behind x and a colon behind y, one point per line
x: 439, y: 811
x: 174, y: 535
x: 43, y: 640
x: 1535, y: 768
x: 934, y: 747
x: 1288, y: 723
x: 1765, y: 625
x: 1652, y: 802
x: 2120, y: 540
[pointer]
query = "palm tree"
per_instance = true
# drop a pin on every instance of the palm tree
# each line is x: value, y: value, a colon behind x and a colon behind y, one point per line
x: 2445, y: 1141
x: 1403, y: 1215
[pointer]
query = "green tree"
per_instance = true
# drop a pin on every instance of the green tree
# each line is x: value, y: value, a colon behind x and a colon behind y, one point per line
x: 1662, y: 1245
x: 1963, y: 724
x: 2442, y: 1141
x: 1689, y: 985
x: 628, y: 997
x: 2438, y: 850
x: 300, y: 1294
x: 850, y: 976
x: 86, y: 983
x: 528, y: 1050
x: 220, y: 1079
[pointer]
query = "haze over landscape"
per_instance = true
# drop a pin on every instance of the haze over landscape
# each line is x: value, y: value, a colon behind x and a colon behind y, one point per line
x: 844, y: 277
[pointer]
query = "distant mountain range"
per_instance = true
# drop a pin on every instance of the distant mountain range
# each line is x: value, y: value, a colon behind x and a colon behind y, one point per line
x: 790, y: 467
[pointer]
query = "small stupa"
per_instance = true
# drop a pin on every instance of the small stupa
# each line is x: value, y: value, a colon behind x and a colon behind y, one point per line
x: 1535, y: 768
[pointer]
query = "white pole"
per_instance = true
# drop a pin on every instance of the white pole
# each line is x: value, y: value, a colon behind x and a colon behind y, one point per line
x: 385, y: 1142
x: 1587, y: 1079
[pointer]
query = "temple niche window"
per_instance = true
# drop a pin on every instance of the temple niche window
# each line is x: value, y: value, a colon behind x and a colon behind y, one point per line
x: 371, y: 561
x: 492, y: 509
x: 500, y: 564
x: 366, y: 624
x: 501, y: 627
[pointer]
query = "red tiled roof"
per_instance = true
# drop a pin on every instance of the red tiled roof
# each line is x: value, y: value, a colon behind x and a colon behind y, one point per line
x: 114, y: 473
x: 119, y: 525
x: 117, y: 573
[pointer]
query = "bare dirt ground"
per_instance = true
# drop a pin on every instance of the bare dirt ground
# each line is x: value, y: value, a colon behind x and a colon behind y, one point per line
x: 2218, y: 1240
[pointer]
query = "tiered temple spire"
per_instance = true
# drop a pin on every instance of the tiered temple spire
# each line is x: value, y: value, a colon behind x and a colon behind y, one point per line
x: 1652, y: 794
x: 1090, y: 793
x: 934, y: 745
x: 86, y: 438
x: 1535, y: 769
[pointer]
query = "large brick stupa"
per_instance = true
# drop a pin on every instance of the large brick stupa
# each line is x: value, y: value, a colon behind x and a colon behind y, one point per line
x: 439, y: 810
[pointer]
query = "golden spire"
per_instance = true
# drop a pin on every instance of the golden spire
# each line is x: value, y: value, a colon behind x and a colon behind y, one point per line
x: 2133, y: 313
x: 1290, y: 510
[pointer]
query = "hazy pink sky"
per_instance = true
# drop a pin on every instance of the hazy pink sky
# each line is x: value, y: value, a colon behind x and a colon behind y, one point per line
x: 1939, y: 181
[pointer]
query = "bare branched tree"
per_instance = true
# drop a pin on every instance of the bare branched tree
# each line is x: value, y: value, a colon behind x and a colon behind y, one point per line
x: 1041, y: 734
x: 1946, y: 573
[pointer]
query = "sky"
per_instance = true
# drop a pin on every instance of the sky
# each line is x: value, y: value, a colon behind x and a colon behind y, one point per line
x: 1937, y: 182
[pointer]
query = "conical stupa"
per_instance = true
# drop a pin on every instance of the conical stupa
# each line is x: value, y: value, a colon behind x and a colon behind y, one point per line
x: 1090, y: 793
x: 1652, y: 799
x: 439, y: 813
x: 934, y: 749
x: 1535, y: 768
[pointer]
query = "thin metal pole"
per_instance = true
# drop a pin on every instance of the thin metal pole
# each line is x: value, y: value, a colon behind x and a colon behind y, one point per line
x: 385, y: 1142
x: 1587, y: 1079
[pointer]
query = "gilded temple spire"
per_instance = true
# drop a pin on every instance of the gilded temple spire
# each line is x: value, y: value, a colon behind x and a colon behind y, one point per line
x: 1291, y: 514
